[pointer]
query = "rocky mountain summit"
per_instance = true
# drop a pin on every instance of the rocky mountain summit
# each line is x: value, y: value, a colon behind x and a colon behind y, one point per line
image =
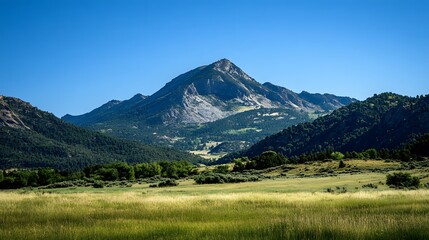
x: 206, y: 94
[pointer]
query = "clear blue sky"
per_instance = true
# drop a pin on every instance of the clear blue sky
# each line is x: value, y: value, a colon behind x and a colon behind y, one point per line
x: 71, y: 56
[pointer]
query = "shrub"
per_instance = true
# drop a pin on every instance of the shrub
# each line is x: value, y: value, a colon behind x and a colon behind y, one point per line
x: 240, y: 164
x: 65, y: 184
x: 98, y: 184
x: 401, y: 179
x: 210, y: 178
x: 341, y: 164
x: 168, y: 183
x: 221, y: 169
x: 337, y: 155
x: 268, y: 159
x: 165, y: 183
x: 8, y: 183
x: 370, y: 185
x: 370, y: 153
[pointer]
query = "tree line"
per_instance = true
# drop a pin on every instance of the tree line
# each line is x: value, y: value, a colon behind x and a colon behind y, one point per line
x: 417, y: 150
x: 19, y: 178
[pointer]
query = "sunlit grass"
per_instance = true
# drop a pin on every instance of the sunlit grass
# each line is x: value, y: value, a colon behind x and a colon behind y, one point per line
x: 241, y: 131
x: 206, y: 155
x: 241, y: 215
x: 241, y: 109
x: 280, y: 208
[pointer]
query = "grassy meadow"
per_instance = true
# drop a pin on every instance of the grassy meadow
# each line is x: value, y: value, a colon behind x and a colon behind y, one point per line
x: 279, y: 208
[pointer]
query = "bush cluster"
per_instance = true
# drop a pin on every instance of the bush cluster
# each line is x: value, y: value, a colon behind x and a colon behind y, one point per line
x: 401, y: 179
x: 66, y: 184
x: 98, y: 184
x: 267, y: 159
x: 165, y: 183
x: 211, y: 178
x: 370, y: 185
x: 338, y: 190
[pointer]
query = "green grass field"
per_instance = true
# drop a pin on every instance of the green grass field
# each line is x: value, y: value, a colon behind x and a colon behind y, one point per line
x: 280, y: 208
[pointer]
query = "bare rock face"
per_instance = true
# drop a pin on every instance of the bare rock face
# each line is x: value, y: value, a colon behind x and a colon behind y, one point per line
x: 214, y: 92
x: 9, y: 118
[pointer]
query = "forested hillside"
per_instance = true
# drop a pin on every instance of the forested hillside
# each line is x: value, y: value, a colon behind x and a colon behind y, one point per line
x: 33, y: 138
x: 383, y: 121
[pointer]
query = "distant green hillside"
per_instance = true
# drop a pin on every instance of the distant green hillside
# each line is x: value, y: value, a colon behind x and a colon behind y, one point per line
x: 249, y: 126
x: 384, y: 121
x: 33, y: 138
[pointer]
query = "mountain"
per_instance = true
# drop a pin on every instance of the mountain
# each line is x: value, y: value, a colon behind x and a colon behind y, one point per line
x: 106, y: 111
x: 308, y: 101
x: 383, y: 121
x: 200, y: 98
x: 33, y: 138
x: 209, y: 93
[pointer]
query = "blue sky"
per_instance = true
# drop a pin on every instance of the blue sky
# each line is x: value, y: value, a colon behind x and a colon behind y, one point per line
x: 71, y: 56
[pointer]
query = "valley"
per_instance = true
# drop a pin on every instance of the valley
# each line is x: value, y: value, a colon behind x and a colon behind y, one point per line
x: 304, y: 182
x: 293, y: 203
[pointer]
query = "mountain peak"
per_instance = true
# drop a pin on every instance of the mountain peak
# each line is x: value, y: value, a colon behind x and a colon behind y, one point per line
x: 227, y: 67
x: 205, y: 94
x: 224, y: 65
x: 138, y: 96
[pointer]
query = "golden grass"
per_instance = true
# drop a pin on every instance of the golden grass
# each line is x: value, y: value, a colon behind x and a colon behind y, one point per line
x: 206, y: 155
x: 282, y: 208
x: 143, y: 198
x: 240, y: 215
x: 240, y: 109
